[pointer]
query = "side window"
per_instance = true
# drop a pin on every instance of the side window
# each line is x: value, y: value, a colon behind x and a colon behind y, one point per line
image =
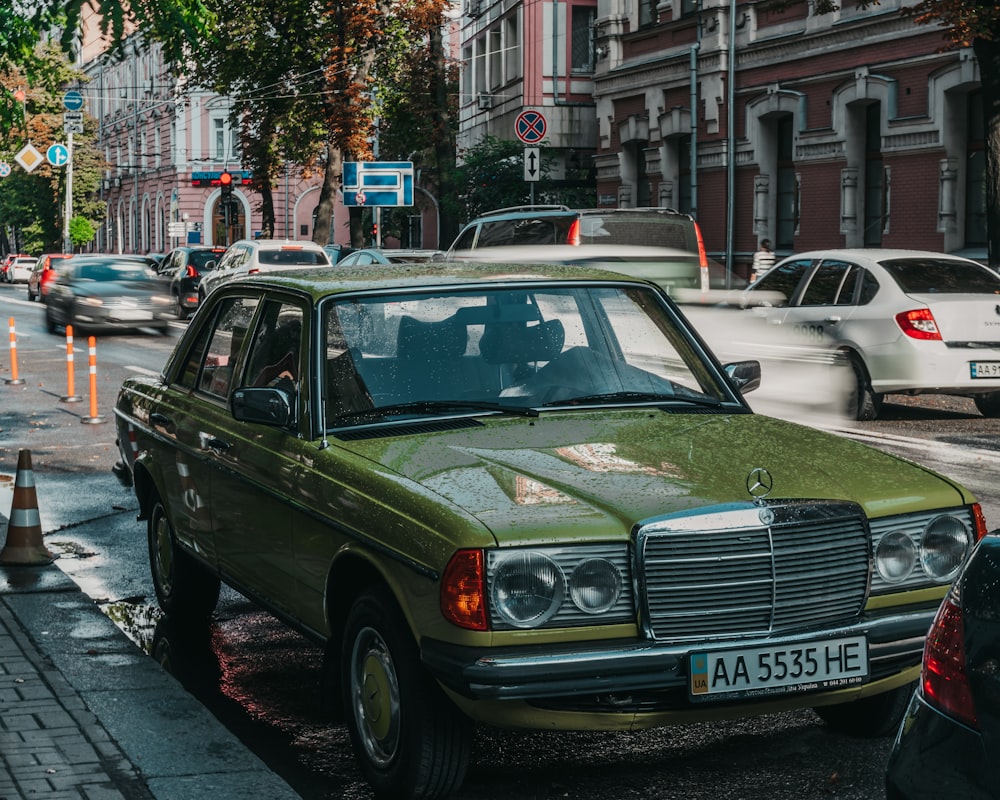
x: 781, y: 280
x: 275, y: 353
x: 826, y: 283
x: 869, y: 288
x: 466, y: 239
x: 226, y: 340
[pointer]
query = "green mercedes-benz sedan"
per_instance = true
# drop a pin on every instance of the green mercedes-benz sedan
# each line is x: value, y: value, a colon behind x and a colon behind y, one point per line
x: 528, y: 495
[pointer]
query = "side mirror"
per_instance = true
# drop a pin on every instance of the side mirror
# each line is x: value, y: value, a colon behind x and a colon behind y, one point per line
x: 745, y: 374
x: 211, y: 264
x: 264, y: 405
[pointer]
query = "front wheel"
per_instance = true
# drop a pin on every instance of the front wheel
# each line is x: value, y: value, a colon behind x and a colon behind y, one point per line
x: 184, y: 588
x: 411, y: 741
x: 870, y: 718
x: 863, y: 403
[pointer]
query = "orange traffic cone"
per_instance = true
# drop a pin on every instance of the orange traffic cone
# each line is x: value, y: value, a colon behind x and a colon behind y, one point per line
x: 24, y: 545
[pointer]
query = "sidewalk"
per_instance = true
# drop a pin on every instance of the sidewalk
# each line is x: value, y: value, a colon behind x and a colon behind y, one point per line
x: 84, y: 714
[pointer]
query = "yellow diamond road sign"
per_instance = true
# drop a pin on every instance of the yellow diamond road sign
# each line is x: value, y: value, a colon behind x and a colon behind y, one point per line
x: 29, y: 157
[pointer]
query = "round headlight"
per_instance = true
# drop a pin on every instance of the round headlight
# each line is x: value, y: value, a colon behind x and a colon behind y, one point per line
x: 895, y: 557
x: 943, y: 547
x: 595, y: 586
x: 528, y: 589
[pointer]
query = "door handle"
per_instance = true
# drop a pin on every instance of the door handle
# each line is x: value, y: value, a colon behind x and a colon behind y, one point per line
x: 210, y: 442
x: 161, y: 420
x: 832, y: 320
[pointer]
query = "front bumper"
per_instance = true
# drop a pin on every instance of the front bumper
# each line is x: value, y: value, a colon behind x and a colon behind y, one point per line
x: 536, y: 672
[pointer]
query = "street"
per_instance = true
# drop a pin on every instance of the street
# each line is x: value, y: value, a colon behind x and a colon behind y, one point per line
x: 264, y: 682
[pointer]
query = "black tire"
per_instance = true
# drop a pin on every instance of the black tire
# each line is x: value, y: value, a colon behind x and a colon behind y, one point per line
x: 32, y: 297
x: 50, y: 323
x: 871, y: 718
x: 182, y: 313
x: 988, y: 404
x: 863, y: 403
x: 184, y: 588
x: 410, y: 740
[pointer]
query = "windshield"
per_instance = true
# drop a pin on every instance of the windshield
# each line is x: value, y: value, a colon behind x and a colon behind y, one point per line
x: 526, y: 347
x: 113, y: 272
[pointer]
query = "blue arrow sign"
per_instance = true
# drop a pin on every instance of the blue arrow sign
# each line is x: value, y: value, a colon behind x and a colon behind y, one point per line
x: 73, y: 100
x: 57, y: 155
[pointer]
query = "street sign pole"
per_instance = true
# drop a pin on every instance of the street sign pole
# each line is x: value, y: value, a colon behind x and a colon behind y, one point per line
x: 67, y: 241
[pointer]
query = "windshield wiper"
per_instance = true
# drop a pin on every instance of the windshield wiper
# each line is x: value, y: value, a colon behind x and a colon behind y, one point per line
x: 429, y: 406
x: 639, y: 397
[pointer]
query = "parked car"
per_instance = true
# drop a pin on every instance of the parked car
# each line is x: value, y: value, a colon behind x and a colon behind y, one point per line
x: 250, y: 256
x: 5, y: 266
x: 661, y: 244
x: 948, y: 744
x: 43, y: 273
x: 372, y: 255
x: 336, y: 251
x: 17, y: 269
x: 907, y: 321
x: 184, y: 267
x: 527, y: 495
x: 107, y: 292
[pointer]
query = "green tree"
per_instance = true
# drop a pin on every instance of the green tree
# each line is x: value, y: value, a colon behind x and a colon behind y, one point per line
x: 31, y: 204
x: 81, y: 231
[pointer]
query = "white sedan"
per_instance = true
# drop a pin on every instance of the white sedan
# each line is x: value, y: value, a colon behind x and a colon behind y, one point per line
x: 909, y: 322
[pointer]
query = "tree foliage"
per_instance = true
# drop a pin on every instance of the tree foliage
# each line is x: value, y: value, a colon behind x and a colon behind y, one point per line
x: 31, y: 203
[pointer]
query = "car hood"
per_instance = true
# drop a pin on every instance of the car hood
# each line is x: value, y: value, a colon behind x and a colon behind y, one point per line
x: 142, y: 288
x: 595, y: 475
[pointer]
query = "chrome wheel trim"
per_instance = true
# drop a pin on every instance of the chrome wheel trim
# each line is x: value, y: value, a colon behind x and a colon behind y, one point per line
x: 375, y: 697
x: 163, y: 553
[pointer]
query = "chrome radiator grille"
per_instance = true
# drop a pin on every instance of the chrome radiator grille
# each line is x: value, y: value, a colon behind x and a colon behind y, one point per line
x: 754, y: 570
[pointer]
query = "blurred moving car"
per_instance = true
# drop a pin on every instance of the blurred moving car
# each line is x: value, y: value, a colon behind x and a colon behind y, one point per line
x: 948, y: 745
x: 17, y: 269
x: 527, y: 495
x: 660, y: 244
x: 107, y: 292
x: 184, y: 267
x: 43, y: 273
x: 371, y: 255
x: 907, y: 321
x: 250, y: 256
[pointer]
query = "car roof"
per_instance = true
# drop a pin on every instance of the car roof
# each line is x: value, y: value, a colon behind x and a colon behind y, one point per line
x: 414, y: 276
x: 874, y: 254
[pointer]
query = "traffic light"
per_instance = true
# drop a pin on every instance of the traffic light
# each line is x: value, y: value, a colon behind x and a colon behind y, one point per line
x: 374, y: 230
x: 226, y: 182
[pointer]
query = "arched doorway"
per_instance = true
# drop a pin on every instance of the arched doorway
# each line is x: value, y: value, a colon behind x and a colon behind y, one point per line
x: 227, y: 221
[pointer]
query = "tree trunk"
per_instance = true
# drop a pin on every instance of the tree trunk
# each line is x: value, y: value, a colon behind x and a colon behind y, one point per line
x: 266, y: 210
x: 328, y: 195
x: 444, y: 144
x: 988, y: 54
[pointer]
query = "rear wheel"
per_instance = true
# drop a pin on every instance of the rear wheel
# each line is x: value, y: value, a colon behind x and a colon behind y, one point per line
x: 988, y: 404
x: 184, y: 588
x: 871, y: 718
x: 863, y: 403
x: 411, y: 741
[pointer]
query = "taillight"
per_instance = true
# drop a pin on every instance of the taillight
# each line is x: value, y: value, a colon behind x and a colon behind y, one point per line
x: 463, y: 591
x: 918, y: 324
x: 192, y: 272
x: 944, y: 679
x: 573, y: 236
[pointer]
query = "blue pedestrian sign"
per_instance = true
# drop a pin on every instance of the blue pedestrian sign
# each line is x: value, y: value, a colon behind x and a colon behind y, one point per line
x: 57, y: 155
x: 378, y: 183
x: 73, y: 100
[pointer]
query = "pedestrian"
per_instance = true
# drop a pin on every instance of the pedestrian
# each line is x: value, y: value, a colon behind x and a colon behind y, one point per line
x: 763, y: 260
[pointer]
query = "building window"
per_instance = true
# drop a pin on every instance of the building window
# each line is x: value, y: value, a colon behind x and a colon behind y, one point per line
x: 647, y: 13
x: 512, y: 49
x: 582, y: 44
x: 975, y: 172
x: 224, y: 145
x: 689, y: 7
x: 788, y: 194
x: 874, y: 177
x: 495, y: 58
x: 467, y: 75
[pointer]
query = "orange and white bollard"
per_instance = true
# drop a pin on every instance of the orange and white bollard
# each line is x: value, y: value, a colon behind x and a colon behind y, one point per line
x: 13, y: 380
x: 71, y: 396
x: 92, y: 362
